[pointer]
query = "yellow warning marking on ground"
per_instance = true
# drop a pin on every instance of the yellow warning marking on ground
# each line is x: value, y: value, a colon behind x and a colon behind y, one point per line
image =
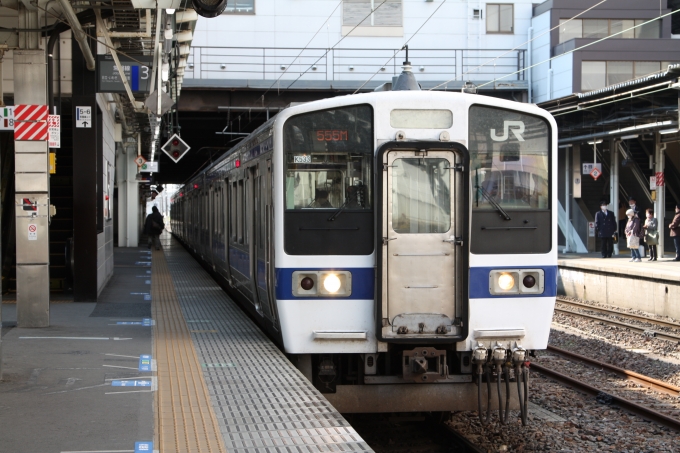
x: 185, y: 420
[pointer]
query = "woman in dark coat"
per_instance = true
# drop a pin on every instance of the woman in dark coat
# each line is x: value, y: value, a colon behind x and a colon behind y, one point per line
x: 153, y: 227
x: 675, y: 232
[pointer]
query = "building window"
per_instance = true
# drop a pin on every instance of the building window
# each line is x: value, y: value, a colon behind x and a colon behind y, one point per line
x: 500, y: 18
x: 601, y: 28
x: 372, y: 13
x: 240, y: 7
x: 599, y: 74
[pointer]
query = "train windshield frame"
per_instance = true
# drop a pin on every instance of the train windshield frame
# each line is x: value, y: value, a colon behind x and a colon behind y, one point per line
x: 328, y: 181
x: 509, y: 160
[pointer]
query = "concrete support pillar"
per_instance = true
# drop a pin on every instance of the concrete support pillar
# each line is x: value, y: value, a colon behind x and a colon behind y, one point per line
x: 567, y: 198
x: 660, y: 203
x: 128, y: 199
x: 614, y: 186
x: 32, y: 197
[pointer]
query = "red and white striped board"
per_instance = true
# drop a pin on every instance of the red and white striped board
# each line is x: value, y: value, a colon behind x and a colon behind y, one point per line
x: 30, y: 112
x: 30, y: 130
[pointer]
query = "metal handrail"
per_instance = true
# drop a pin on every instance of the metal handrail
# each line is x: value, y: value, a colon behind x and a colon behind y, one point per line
x: 315, y: 63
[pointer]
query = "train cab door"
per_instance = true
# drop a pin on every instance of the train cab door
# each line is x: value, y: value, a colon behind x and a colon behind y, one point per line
x: 420, y: 265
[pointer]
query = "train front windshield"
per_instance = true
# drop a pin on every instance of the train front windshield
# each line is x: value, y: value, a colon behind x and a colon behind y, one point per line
x: 328, y: 159
x: 509, y: 154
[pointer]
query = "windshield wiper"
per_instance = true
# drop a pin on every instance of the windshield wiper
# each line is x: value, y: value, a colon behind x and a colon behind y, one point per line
x: 492, y: 201
x: 338, y: 212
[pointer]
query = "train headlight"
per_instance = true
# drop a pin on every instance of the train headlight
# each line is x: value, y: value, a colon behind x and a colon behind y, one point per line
x: 516, y: 281
x: 503, y: 282
x: 331, y: 283
x: 506, y: 281
x: 322, y: 283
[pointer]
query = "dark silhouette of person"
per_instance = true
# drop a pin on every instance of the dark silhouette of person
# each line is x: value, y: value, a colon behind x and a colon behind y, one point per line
x: 606, y: 227
x: 321, y: 199
x: 153, y: 227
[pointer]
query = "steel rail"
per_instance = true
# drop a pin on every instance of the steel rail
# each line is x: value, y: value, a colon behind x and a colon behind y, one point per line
x: 661, y: 335
x: 660, y: 322
x: 623, y: 403
x: 638, y: 378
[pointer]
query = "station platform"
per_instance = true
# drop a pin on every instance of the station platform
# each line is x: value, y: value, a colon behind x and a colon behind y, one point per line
x: 166, y: 362
x: 650, y: 286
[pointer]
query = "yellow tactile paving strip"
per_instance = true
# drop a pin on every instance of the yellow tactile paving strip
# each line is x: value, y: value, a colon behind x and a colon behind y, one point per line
x: 185, y: 420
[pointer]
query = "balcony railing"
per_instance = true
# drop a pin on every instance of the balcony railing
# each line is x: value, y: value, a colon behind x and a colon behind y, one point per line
x: 289, y: 63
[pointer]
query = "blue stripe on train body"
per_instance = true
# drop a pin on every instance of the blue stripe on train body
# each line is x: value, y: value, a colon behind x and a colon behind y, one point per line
x: 363, y: 281
x: 479, y: 282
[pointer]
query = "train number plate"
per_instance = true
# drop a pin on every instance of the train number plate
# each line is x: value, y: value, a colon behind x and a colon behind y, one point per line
x: 302, y: 159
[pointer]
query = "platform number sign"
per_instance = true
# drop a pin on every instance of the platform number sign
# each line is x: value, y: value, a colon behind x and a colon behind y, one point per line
x: 7, y: 118
x: 84, y: 117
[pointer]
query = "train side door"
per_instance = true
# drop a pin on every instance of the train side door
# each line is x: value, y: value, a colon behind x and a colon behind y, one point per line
x: 252, y: 197
x: 419, y: 252
x: 269, y: 240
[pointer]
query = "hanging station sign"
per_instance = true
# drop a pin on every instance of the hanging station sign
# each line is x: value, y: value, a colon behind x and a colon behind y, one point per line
x: 137, y: 72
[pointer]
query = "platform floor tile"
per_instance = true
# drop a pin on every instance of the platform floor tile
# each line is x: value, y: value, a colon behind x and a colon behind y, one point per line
x: 262, y: 402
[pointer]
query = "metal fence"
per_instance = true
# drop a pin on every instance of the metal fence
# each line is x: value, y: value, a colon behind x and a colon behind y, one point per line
x: 289, y: 63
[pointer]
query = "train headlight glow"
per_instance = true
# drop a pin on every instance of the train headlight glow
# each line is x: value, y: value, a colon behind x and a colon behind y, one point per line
x: 506, y: 281
x: 331, y: 283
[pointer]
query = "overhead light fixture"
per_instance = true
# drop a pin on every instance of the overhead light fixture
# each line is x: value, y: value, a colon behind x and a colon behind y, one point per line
x: 595, y: 142
x: 668, y: 131
x: 170, y: 11
x: 565, y: 146
x: 628, y: 137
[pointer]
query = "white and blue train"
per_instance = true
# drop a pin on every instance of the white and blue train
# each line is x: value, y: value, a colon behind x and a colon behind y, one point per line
x: 400, y: 246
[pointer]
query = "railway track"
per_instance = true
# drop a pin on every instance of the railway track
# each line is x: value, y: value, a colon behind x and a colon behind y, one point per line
x: 644, y: 331
x: 638, y: 378
x: 608, y: 398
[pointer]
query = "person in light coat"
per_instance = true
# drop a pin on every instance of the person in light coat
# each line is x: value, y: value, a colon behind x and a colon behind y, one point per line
x: 651, y: 229
x: 633, y: 230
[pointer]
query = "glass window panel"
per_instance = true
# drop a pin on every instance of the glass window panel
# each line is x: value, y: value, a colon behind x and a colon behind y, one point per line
x: 619, y: 71
x: 492, y: 22
x: 512, y: 172
x: 595, y: 28
x: 618, y: 25
x: 328, y: 157
x: 421, y: 119
x: 421, y: 196
x: 593, y: 75
x: 389, y: 14
x: 643, y: 68
x: 506, y: 16
x: 570, y: 30
x: 651, y: 30
x: 240, y: 7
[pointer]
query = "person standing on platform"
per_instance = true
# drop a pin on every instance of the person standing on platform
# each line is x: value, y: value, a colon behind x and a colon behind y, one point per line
x: 633, y: 205
x: 675, y: 232
x: 633, y: 235
x: 622, y: 219
x: 651, y: 228
x: 153, y: 227
x: 606, y: 227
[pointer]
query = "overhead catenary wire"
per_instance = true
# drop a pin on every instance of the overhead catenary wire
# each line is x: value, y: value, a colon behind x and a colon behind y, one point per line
x: 405, y: 44
x: 303, y: 49
x: 523, y: 44
x: 319, y: 59
x: 519, y: 71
